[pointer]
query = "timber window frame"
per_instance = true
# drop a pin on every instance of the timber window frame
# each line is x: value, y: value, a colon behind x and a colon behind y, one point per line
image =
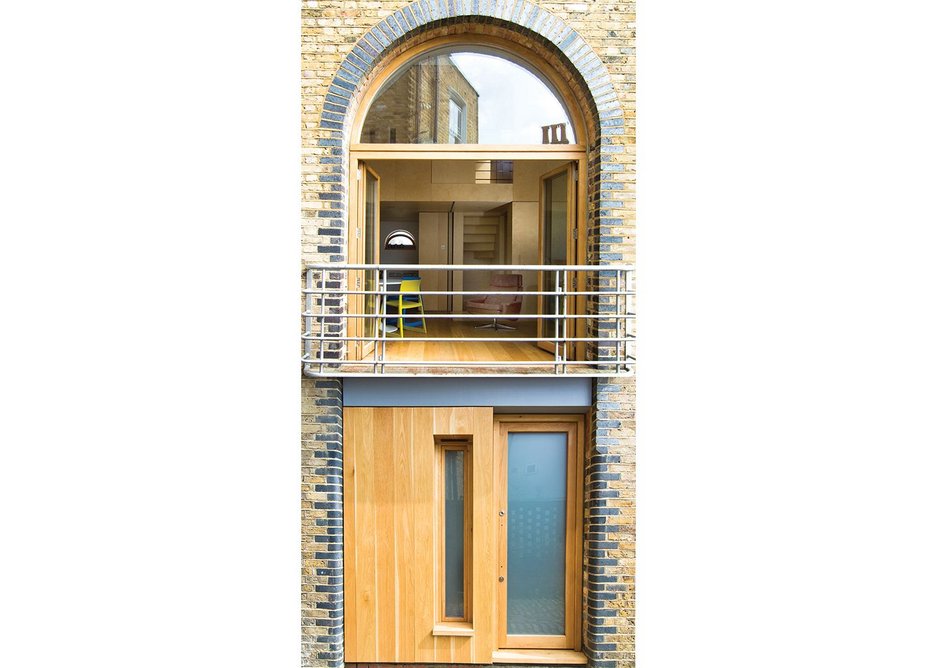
x: 458, y: 126
x: 360, y: 152
x: 444, y: 446
x: 557, y: 80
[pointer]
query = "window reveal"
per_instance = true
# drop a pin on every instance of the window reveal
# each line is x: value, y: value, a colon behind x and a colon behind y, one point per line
x: 455, y: 526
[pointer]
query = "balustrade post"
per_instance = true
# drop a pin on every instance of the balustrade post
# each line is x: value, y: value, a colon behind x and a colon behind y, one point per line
x: 378, y: 323
x: 307, y: 318
x: 629, y: 309
x: 383, y: 319
x: 322, y: 275
x: 565, y: 319
x: 556, y: 323
x: 618, y: 321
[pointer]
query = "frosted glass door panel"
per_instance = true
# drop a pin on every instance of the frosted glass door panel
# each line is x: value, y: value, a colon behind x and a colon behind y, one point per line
x: 536, y: 542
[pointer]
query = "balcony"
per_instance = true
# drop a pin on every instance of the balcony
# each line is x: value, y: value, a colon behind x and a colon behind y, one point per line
x: 571, y: 320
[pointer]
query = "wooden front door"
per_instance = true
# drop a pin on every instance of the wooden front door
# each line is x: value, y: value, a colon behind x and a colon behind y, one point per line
x: 539, y: 493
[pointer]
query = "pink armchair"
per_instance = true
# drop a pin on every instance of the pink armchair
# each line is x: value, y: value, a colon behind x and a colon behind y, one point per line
x: 496, y: 305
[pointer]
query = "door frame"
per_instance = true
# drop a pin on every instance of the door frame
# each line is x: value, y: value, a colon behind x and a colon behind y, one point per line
x: 574, y: 426
x: 575, y: 252
x: 360, y: 154
x: 356, y: 246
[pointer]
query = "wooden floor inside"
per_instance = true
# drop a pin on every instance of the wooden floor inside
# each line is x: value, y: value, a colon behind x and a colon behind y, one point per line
x: 464, y: 349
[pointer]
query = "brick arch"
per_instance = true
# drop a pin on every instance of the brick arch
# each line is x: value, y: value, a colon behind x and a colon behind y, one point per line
x: 549, y: 35
x: 521, y: 21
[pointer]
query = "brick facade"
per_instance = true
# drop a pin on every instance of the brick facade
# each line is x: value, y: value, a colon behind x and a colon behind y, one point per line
x: 322, y: 581
x: 344, y: 45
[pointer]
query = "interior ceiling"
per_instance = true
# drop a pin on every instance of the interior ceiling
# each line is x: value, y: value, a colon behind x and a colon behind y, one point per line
x: 411, y: 210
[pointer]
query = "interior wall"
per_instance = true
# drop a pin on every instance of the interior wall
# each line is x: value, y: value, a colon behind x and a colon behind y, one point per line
x: 433, y: 249
x: 483, y: 240
x: 429, y: 184
x: 454, y: 181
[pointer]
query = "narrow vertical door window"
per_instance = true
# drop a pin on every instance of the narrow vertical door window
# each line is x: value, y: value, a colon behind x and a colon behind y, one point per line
x: 454, y: 480
x: 454, y: 514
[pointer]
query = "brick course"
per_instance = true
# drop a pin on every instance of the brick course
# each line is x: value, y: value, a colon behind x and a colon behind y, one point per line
x: 343, y: 45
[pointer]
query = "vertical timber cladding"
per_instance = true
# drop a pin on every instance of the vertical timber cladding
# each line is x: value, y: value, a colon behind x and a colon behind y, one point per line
x: 390, y: 516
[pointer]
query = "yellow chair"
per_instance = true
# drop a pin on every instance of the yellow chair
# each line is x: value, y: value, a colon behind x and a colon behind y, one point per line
x: 407, y: 287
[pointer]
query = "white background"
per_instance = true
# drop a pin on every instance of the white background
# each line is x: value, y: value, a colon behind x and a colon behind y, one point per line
x: 149, y: 481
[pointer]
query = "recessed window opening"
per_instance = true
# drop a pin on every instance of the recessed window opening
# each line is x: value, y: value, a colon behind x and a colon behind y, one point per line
x: 467, y: 95
x: 399, y: 240
x: 494, y: 171
x: 454, y: 547
x: 458, y: 123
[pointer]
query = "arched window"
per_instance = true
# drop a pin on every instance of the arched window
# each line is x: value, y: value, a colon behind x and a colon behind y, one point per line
x: 399, y: 239
x: 476, y: 146
x: 467, y: 94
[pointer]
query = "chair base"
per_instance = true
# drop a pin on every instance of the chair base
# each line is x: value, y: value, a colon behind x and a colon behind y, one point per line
x: 495, y: 325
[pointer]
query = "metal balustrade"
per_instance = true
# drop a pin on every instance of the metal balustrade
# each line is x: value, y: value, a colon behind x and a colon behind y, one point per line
x: 596, y: 300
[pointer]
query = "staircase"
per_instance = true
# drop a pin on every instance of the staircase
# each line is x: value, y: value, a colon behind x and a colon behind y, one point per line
x: 481, y: 238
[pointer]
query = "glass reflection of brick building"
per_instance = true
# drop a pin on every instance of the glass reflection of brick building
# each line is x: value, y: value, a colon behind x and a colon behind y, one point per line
x: 429, y: 103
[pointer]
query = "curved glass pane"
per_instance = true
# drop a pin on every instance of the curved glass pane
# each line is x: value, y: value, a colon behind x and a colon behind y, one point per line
x: 462, y: 97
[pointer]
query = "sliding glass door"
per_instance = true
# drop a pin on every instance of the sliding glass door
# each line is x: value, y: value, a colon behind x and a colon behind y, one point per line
x: 363, y: 249
x: 557, y: 247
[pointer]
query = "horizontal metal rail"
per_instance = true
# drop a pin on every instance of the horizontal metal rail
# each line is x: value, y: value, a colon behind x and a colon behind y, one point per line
x: 473, y: 316
x: 480, y: 339
x: 462, y: 293
x: 584, y: 317
x: 461, y: 363
x: 509, y: 268
x: 492, y: 373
